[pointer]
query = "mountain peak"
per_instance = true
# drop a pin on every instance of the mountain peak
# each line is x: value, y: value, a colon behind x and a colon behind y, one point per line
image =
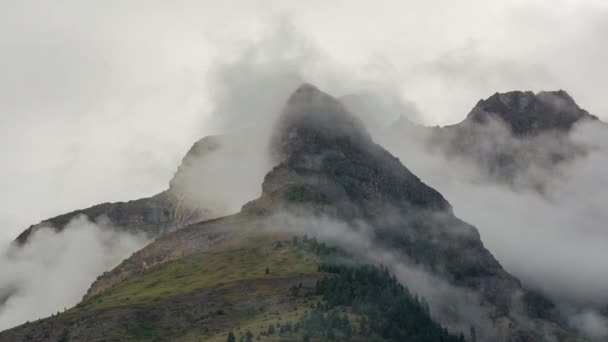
x: 327, y: 157
x: 311, y: 116
x: 200, y: 149
x: 306, y: 88
x: 529, y: 113
x: 307, y: 93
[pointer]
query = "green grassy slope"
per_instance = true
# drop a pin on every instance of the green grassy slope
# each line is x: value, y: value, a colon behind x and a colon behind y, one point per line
x: 257, y: 286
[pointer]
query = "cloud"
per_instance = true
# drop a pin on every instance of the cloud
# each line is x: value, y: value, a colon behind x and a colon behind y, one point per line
x: 146, y: 81
x: 552, y: 242
x: 456, y: 308
x: 591, y: 323
x: 247, y: 94
x: 54, y: 270
x: 555, y: 241
x: 222, y: 174
x: 99, y: 103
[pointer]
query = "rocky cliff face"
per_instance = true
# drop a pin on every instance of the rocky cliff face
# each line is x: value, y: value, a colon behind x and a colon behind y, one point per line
x: 326, y: 156
x: 526, y: 113
x: 506, y: 135
x: 153, y: 216
x: 516, y: 138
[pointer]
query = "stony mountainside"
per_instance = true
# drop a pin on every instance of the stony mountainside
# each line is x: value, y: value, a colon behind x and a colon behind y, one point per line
x: 330, y: 166
x: 516, y: 138
x: 527, y: 113
x: 200, y: 281
x: 506, y: 135
x: 153, y: 216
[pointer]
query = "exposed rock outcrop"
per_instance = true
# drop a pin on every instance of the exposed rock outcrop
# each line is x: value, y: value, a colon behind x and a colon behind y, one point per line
x: 515, y: 138
x: 153, y: 216
x: 526, y: 113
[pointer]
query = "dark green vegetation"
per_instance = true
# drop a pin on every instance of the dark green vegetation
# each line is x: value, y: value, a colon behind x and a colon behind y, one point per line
x: 330, y: 166
x: 353, y: 303
x: 200, y: 297
x: 380, y: 309
x: 219, y: 267
x: 257, y: 286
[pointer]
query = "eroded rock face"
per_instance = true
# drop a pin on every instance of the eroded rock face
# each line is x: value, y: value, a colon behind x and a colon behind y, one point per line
x: 312, y: 114
x: 506, y: 135
x: 343, y: 172
x: 526, y: 113
x: 152, y: 216
x: 515, y: 138
x: 326, y: 154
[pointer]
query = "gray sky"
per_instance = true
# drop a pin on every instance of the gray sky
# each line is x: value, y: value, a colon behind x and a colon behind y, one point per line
x: 100, y: 100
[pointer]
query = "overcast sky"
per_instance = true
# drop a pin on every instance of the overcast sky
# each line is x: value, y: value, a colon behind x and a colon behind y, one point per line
x: 100, y: 100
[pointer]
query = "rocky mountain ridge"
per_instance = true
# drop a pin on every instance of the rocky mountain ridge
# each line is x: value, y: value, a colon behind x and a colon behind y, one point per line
x: 527, y: 113
x: 518, y: 139
x: 328, y: 166
x: 153, y: 216
x: 477, y: 137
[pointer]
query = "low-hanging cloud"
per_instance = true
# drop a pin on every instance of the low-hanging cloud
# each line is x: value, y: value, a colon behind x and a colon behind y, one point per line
x: 54, y: 269
x: 142, y: 84
x: 591, y: 323
x: 144, y: 81
x: 554, y: 241
x: 454, y: 307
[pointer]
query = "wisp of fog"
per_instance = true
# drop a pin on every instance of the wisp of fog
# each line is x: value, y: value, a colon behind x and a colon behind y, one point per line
x: 53, y: 270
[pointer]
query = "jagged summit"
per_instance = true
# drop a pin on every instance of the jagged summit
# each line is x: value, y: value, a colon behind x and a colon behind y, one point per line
x: 528, y: 113
x: 153, y: 216
x: 508, y: 134
x: 199, y: 150
x: 327, y: 156
x: 311, y: 115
